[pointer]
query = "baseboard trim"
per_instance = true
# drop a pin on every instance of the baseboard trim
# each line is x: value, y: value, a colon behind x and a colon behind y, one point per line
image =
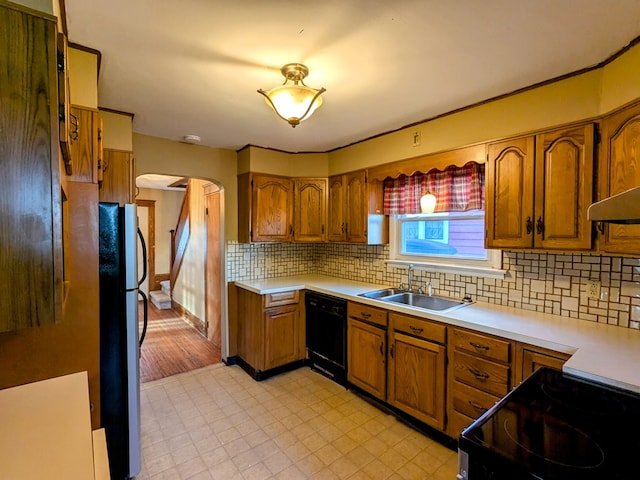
x: 189, y: 317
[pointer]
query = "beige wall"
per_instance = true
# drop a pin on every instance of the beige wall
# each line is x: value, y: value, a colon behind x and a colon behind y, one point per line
x: 83, y: 78
x: 167, y: 210
x: 188, y: 290
x: 158, y: 155
x: 577, y: 98
x: 263, y: 160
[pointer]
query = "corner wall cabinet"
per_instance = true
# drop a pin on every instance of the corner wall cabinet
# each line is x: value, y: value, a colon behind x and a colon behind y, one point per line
x: 356, y: 210
x: 538, y: 190
x: 30, y: 194
x: 619, y: 171
x: 310, y: 210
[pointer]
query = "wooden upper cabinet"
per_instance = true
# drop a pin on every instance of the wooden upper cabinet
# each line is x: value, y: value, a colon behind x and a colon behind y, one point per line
x: 355, y: 210
x: 30, y: 203
x: 310, y: 210
x: 271, y: 209
x: 118, y: 183
x: 337, y: 201
x: 538, y: 190
x: 86, y: 145
x: 564, y: 188
x: 620, y: 171
x: 509, y: 194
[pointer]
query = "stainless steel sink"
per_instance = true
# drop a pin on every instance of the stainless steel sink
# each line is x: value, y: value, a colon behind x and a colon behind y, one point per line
x: 427, y: 302
x: 385, y: 292
x: 438, y: 304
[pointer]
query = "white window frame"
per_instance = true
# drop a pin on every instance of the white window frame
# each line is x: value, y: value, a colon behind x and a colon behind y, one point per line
x: 491, y: 267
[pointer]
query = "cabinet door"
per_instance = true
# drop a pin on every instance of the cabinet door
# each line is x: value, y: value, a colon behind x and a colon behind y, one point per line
x: 310, y: 210
x: 366, y: 357
x: 532, y: 361
x: 118, y: 182
x: 620, y: 171
x: 337, y: 207
x: 271, y: 209
x: 30, y: 198
x: 281, y: 336
x: 564, y: 188
x: 509, y: 194
x: 416, y: 378
x: 84, y: 145
x: 357, y: 209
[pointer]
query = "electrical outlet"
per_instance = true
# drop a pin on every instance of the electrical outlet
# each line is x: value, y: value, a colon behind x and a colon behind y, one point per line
x: 593, y: 289
x: 417, y: 139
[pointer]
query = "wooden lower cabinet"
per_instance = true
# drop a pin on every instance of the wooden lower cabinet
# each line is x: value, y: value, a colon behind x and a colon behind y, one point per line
x: 270, y: 331
x: 366, y: 357
x: 480, y: 373
x: 530, y: 358
x: 416, y: 382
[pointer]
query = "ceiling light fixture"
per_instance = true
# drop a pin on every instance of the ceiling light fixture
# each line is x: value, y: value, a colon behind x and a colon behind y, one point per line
x: 293, y: 102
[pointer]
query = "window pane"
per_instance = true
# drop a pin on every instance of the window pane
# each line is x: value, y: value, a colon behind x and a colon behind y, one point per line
x: 462, y: 238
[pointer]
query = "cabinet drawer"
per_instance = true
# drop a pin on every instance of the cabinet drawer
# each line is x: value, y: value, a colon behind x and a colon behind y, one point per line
x: 487, y: 376
x: 367, y: 314
x: 281, y: 298
x: 457, y: 422
x: 471, y: 401
x: 482, y: 345
x: 418, y: 327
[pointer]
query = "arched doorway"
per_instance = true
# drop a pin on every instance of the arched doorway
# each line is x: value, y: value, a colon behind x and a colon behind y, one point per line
x: 194, y: 288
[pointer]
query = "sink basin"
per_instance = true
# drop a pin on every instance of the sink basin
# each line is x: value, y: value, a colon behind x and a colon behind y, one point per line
x: 438, y: 304
x: 385, y: 292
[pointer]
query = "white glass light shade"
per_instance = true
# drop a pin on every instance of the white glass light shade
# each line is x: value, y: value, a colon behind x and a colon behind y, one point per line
x: 291, y: 102
x: 428, y: 203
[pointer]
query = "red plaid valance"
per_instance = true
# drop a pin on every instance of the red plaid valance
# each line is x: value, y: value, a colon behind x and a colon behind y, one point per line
x: 457, y: 189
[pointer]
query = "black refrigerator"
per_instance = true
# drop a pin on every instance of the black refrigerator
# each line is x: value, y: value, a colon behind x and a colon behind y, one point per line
x: 120, y: 338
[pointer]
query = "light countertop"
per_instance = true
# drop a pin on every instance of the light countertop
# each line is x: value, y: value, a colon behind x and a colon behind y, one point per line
x: 603, y: 353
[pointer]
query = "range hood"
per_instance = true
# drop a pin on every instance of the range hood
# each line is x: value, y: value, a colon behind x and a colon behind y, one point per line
x: 621, y: 208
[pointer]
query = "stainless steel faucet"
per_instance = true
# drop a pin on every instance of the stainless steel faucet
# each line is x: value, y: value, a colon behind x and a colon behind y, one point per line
x: 410, y: 277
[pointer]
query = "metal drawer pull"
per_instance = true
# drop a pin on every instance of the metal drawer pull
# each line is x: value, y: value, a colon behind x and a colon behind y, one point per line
x: 478, y: 346
x: 478, y: 374
x: 416, y: 329
x: 382, y: 349
x: 476, y: 406
x: 365, y: 314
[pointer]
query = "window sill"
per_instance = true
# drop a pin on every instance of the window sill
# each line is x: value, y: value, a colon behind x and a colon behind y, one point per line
x: 470, y: 270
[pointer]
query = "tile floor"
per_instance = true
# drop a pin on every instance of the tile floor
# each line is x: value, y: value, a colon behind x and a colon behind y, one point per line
x: 218, y: 423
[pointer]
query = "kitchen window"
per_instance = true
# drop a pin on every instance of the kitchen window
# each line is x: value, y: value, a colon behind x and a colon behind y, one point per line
x: 452, y: 238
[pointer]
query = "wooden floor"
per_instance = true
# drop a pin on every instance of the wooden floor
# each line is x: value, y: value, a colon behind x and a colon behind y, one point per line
x: 172, y: 346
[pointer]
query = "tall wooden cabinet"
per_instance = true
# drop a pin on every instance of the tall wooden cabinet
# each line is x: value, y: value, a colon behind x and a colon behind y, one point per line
x: 356, y: 210
x: 30, y: 195
x: 538, y: 190
x: 619, y: 171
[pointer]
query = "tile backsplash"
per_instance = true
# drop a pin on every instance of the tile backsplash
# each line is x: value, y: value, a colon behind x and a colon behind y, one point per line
x: 543, y: 282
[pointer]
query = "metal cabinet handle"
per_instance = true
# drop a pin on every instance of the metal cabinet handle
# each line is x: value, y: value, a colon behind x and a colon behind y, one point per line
x: 390, y: 352
x: 416, y: 329
x: 365, y: 315
x: 478, y: 346
x: 600, y: 227
x: 529, y: 225
x: 540, y: 226
x: 477, y: 407
x: 478, y: 374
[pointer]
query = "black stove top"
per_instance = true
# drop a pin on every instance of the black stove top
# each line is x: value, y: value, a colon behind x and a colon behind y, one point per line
x: 552, y: 427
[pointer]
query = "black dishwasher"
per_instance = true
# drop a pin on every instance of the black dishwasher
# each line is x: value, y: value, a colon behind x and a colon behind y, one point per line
x: 327, y: 335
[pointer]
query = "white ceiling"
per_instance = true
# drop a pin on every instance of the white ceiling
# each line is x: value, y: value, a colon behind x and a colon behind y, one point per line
x: 193, y: 66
